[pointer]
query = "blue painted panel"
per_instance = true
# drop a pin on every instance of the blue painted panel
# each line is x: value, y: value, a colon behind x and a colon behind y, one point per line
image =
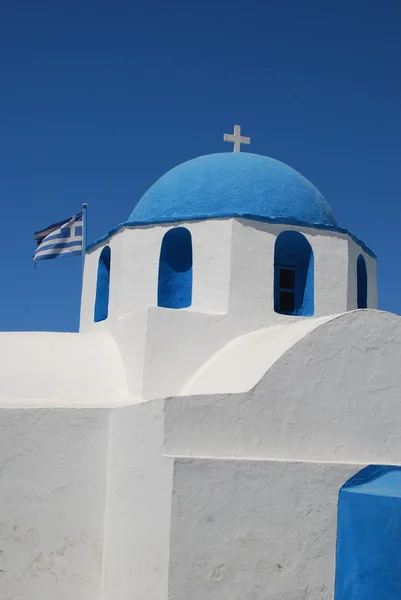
x: 362, y: 277
x: 293, y: 249
x: 368, y: 564
x: 103, y: 286
x: 175, y: 269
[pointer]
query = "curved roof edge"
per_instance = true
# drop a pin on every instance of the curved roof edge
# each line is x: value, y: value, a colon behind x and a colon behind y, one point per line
x: 241, y: 363
x: 36, y: 369
x: 234, y: 182
x: 146, y: 223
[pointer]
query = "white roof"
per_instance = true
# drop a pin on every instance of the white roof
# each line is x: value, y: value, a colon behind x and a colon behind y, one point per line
x: 60, y: 369
x: 242, y: 362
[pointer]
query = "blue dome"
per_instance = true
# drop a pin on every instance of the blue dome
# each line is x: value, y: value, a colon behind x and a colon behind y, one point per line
x: 234, y: 184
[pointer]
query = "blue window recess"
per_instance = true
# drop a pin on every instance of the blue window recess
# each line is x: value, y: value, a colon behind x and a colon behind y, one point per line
x: 293, y: 275
x: 175, y: 269
x: 103, y: 285
x: 362, y: 279
x: 368, y: 560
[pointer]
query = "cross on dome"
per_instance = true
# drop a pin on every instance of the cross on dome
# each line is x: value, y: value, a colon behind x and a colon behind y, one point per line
x: 237, y: 138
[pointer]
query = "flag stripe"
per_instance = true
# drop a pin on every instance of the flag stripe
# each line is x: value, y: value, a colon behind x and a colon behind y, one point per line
x: 60, y: 245
x: 50, y: 228
x: 49, y: 256
x: 44, y: 232
x: 58, y: 252
x: 58, y: 236
x: 64, y: 233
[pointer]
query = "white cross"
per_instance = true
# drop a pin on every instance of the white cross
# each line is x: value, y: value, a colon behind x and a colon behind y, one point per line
x: 237, y: 138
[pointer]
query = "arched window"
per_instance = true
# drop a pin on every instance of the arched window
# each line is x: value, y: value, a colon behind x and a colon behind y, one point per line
x: 293, y: 275
x: 362, y: 282
x: 103, y: 286
x: 175, y: 269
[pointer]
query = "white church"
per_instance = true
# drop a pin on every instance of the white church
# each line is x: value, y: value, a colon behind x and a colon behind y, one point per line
x: 231, y: 391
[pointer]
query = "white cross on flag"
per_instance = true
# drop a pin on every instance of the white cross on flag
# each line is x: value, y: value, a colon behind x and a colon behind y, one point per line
x: 61, y: 239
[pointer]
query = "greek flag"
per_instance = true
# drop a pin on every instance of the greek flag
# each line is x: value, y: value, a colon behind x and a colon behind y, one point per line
x: 61, y: 239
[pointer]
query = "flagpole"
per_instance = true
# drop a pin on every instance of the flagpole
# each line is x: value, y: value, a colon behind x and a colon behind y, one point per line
x: 84, y: 232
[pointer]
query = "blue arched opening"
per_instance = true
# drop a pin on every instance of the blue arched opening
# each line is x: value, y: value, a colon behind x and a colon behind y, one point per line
x: 362, y: 279
x: 293, y: 275
x: 103, y: 285
x: 175, y: 269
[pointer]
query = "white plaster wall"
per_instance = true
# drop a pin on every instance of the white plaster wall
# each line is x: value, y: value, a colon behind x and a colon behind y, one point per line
x: 254, y: 529
x: 333, y: 396
x: 89, y: 290
x: 130, y: 333
x: 135, y: 256
x: 353, y: 252
x: 241, y: 364
x: 252, y: 270
x: 60, y: 369
x: 211, y: 244
x: 139, y: 268
x: 331, y: 272
x: 52, y: 491
x: 190, y: 339
x: 178, y: 343
x: 373, y: 301
x: 233, y: 266
x: 117, y: 291
x: 137, y: 534
x: 352, y: 296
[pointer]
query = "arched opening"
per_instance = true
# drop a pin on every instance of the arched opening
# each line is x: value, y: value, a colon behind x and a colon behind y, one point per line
x: 293, y: 275
x: 362, y: 283
x: 103, y: 285
x: 175, y: 269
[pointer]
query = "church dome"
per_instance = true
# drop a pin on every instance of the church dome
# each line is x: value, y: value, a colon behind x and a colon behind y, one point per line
x: 235, y: 184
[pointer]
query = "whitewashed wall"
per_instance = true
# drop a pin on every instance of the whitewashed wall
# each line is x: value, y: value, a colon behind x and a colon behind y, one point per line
x: 61, y: 369
x: 252, y: 270
x: 52, y: 497
x: 135, y: 256
x: 137, y: 532
x: 240, y: 364
x: 257, y: 474
x: 233, y: 271
x: 233, y: 282
x: 254, y: 529
x: 333, y: 396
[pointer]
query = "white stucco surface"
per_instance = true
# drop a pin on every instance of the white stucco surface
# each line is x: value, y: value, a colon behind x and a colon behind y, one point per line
x: 137, y: 524
x: 233, y: 271
x: 254, y: 529
x: 52, y: 498
x: 60, y: 369
x: 333, y: 396
x: 232, y: 295
x: 135, y: 256
x: 243, y: 362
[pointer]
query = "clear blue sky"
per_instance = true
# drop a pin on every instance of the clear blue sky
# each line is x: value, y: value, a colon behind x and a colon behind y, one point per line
x: 98, y: 99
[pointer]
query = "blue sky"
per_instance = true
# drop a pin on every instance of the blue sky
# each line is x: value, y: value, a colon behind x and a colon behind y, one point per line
x: 98, y: 99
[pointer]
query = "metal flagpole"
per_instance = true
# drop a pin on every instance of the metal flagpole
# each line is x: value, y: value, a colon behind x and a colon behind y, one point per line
x: 84, y: 231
